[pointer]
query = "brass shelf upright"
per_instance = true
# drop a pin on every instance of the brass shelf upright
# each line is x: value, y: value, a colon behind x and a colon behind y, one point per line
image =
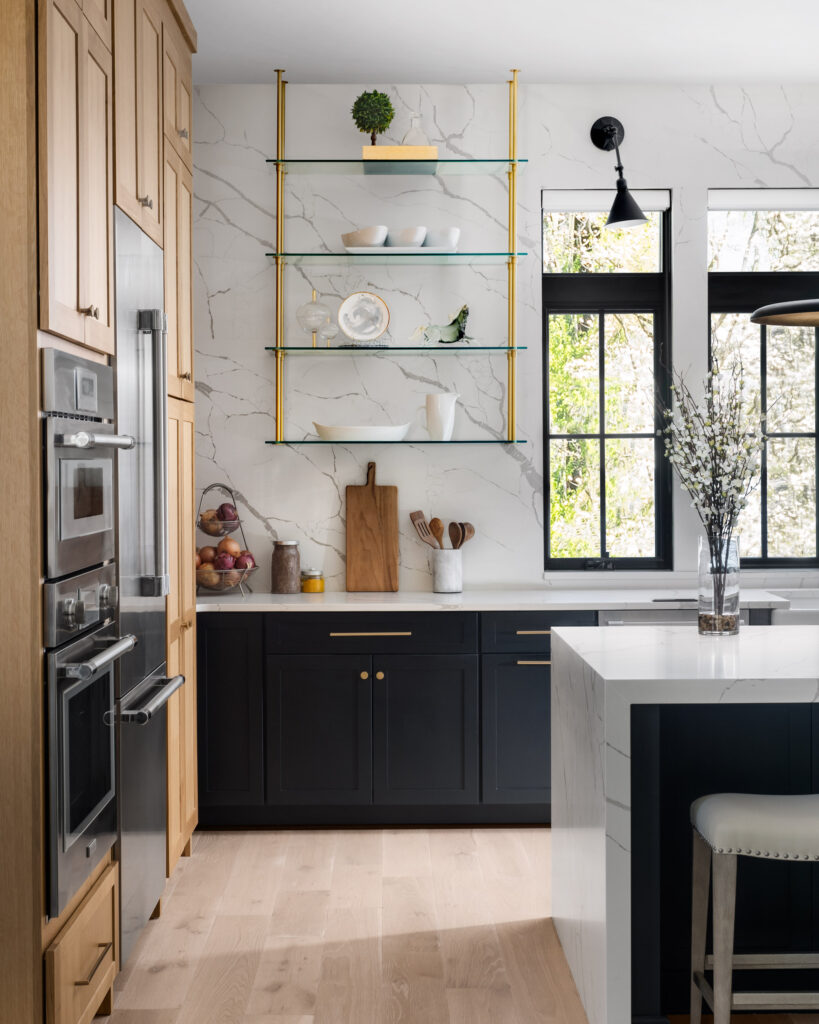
x: 511, y: 356
x: 280, y: 172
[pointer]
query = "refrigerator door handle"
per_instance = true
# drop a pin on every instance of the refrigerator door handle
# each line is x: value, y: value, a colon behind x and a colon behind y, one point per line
x: 155, y: 321
x: 143, y: 715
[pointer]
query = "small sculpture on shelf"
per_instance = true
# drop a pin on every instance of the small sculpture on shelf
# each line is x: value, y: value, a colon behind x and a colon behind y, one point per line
x: 452, y: 333
x: 312, y: 315
x: 373, y: 113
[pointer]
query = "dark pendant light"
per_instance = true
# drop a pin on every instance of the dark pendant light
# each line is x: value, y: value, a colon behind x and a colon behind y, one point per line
x: 607, y: 133
x: 801, y: 313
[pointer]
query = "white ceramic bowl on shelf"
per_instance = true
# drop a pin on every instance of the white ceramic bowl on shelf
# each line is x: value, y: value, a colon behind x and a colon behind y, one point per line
x: 361, y: 433
x: 406, y: 236
x: 371, y: 236
x: 443, y: 238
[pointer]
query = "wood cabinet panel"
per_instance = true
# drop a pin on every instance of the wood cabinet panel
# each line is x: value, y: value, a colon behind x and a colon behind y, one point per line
x: 177, y: 89
x: 178, y: 187
x: 99, y: 14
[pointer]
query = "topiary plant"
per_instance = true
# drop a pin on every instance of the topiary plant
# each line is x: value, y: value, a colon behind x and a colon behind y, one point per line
x: 373, y: 112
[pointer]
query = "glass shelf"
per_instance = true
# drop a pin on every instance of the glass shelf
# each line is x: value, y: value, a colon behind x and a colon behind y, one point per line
x: 428, y: 350
x: 422, y: 441
x: 383, y: 258
x: 488, y: 166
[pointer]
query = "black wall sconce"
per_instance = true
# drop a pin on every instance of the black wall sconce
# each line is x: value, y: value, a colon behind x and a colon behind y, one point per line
x: 607, y: 133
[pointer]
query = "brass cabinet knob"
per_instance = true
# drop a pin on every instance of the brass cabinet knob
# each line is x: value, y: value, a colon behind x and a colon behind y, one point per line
x: 182, y: 133
x: 365, y: 675
x: 146, y: 201
x: 184, y: 376
x: 379, y: 675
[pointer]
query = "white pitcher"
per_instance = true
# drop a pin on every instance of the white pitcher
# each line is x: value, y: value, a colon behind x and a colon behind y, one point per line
x: 440, y: 413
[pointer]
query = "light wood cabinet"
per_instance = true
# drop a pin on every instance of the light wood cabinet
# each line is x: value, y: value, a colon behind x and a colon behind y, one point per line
x: 139, y: 116
x: 181, y: 632
x: 177, y: 89
x: 178, y: 188
x: 99, y: 14
x: 81, y: 963
x: 76, y: 224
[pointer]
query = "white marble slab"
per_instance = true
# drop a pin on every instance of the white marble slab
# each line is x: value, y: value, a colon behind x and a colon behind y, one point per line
x: 597, y: 675
x: 511, y: 600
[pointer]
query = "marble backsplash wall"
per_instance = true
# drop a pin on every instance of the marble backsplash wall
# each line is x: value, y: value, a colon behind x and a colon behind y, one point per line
x: 685, y: 139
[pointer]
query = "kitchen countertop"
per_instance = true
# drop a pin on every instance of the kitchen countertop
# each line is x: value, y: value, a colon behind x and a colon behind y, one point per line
x: 532, y: 599
x: 598, y: 674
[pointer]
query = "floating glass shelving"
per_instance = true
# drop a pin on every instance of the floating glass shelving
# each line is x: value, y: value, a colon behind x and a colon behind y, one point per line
x: 420, y: 441
x: 483, y: 166
x: 367, y: 350
x: 383, y: 257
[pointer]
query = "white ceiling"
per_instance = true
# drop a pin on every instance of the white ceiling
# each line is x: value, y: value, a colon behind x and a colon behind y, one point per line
x: 384, y: 41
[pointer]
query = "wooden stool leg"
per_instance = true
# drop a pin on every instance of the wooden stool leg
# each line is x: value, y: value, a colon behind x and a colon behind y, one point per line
x: 700, y: 877
x: 725, y: 882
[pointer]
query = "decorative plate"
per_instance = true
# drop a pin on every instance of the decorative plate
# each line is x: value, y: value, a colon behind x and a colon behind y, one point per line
x: 363, y: 316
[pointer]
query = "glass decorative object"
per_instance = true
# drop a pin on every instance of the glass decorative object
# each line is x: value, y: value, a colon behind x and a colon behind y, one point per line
x: 416, y: 135
x: 718, y: 591
x: 312, y: 315
x: 327, y: 331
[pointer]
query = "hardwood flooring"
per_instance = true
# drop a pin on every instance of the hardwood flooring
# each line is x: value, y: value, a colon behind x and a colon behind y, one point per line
x: 404, y: 926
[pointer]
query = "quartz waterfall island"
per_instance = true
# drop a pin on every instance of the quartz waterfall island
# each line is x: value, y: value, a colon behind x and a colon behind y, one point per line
x: 644, y: 720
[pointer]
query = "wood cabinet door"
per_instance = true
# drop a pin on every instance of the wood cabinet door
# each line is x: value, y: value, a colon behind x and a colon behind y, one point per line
x: 96, y: 193
x: 425, y: 729
x: 99, y: 15
x: 516, y: 728
x: 149, y: 116
x: 319, y: 729
x: 178, y: 188
x: 176, y: 90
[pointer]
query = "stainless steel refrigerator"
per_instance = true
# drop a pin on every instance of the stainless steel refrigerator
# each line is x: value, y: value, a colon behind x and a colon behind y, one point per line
x: 143, y: 687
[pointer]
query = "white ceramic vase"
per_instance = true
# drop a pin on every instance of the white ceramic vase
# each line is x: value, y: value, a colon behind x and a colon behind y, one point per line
x: 440, y: 413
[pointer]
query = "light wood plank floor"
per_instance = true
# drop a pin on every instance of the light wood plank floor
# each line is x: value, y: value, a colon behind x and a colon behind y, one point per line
x: 405, y: 926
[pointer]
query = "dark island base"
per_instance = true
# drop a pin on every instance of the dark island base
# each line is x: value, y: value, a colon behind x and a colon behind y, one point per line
x: 373, y: 817
x: 679, y: 753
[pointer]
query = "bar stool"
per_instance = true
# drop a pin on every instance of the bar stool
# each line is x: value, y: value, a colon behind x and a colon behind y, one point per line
x: 728, y: 825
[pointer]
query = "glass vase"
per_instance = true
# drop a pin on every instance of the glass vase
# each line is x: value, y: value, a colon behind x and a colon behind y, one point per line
x: 718, y: 595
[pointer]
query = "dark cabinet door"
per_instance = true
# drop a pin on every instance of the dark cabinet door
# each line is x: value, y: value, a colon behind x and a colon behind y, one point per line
x: 516, y: 723
x: 425, y: 721
x: 230, y: 709
x: 319, y: 729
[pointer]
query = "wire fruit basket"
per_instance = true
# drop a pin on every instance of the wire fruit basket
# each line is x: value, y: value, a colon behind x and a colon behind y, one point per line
x: 218, y: 524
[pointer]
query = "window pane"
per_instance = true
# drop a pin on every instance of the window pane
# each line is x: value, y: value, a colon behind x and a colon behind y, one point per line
x: 791, y: 497
x: 629, y: 345
x: 733, y: 337
x: 750, y: 526
x: 574, y: 468
x: 574, y: 376
x: 579, y: 243
x: 763, y: 240
x: 791, y: 359
x: 630, y: 498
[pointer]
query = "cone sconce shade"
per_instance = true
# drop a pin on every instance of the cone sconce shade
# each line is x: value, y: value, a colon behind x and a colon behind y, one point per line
x: 801, y: 313
x: 607, y: 133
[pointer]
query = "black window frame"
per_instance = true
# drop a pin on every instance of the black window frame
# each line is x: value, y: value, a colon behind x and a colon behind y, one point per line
x: 615, y: 292
x: 743, y: 292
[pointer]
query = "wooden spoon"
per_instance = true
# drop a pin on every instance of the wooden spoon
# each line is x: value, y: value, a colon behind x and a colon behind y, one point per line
x: 469, y: 532
x: 456, y: 535
x: 437, y: 530
x: 419, y: 521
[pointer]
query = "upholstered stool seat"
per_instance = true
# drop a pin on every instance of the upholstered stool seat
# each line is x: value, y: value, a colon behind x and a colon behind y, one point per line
x: 728, y: 825
x: 785, y: 827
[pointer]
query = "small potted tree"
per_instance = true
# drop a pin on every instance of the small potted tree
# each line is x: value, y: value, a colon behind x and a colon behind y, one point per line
x: 373, y: 113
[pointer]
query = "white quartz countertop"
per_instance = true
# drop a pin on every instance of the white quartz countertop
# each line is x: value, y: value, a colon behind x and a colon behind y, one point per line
x: 533, y: 599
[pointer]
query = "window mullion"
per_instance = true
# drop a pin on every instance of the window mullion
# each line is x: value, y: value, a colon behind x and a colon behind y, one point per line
x: 763, y: 405
x: 601, y: 398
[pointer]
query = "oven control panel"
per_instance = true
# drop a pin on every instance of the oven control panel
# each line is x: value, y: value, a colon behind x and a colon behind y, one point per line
x: 75, y: 604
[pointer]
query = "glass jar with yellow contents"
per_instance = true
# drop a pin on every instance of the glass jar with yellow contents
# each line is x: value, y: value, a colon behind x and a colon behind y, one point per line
x: 312, y: 581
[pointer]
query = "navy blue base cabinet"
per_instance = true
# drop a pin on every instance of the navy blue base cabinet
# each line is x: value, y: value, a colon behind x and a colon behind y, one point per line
x: 375, y: 718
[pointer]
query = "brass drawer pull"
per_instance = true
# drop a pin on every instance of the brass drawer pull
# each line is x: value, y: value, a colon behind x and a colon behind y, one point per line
x: 105, y: 947
x: 379, y: 676
x: 408, y: 633
x: 365, y: 675
x: 533, y: 632
x: 533, y: 663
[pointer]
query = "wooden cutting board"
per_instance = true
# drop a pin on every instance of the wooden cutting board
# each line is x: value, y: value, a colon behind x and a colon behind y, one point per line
x: 372, y: 536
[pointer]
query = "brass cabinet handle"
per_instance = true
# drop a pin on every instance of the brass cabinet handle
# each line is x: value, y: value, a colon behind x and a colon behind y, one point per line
x: 533, y: 632
x: 104, y: 947
x: 91, y: 311
x: 407, y: 633
x: 146, y: 201
x: 187, y: 624
x: 379, y: 675
x: 365, y: 675
x: 533, y: 663
x: 184, y: 376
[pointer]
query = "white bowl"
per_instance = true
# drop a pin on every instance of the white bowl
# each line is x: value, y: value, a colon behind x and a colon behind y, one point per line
x: 406, y: 236
x: 362, y: 433
x: 444, y: 238
x: 373, y: 235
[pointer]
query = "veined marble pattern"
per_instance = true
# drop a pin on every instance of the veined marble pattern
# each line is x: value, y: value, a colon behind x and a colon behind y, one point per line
x: 684, y: 138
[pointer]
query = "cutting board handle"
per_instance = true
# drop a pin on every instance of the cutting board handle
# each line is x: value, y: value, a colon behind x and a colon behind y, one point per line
x: 370, y: 475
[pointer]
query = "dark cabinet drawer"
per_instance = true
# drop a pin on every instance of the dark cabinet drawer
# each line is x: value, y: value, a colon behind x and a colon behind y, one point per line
x: 515, y: 727
x: 526, y: 631
x: 372, y: 633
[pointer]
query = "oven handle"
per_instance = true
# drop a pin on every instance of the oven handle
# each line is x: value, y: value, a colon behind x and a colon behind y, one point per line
x: 143, y: 715
x: 88, y: 669
x: 85, y: 439
x: 155, y: 321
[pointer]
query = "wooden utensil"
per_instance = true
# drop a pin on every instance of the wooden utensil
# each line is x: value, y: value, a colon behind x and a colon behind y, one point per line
x: 437, y: 528
x: 469, y: 532
x: 456, y: 535
x: 372, y: 536
x: 419, y: 521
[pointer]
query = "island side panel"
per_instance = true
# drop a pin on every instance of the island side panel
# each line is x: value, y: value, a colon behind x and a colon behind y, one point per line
x: 579, y: 824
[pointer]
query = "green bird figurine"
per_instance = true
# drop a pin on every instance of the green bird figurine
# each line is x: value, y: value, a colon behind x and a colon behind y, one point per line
x: 447, y: 334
